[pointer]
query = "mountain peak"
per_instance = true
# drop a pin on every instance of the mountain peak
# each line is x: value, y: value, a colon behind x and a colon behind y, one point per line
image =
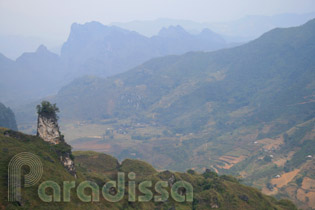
x: 42, y: 48
x: 293, y: 36
x: 41, y: 53
x: 94, y: 31
x: 172, y: 31
x: 92, y: 25
x: 206, y: 31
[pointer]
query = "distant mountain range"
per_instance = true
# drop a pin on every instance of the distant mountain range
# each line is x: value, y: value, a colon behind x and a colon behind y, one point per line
x: 243, y: 29
x: 266, y: 76
x: 93, y: 49
x: 32, y: 75
x: 13, y: 46
x: 247, y: 110
x: 100, y: 50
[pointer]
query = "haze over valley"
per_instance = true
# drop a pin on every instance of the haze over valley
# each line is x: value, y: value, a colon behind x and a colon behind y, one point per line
x: 225, y: 104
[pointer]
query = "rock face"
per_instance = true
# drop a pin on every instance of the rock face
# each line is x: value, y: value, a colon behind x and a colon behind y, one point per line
x: 68, y: 163
x: 48, y: 129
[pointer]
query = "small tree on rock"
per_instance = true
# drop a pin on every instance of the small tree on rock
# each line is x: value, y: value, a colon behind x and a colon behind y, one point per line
x: 47, y: 109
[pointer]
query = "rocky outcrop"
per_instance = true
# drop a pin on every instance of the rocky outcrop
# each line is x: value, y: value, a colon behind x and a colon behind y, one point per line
x: 48, y: 129
x: 168, y: 176
x: 68, y: 163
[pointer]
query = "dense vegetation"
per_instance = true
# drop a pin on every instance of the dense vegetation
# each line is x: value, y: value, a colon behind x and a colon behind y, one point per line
x: 47, y: 109
x: 210, y: 190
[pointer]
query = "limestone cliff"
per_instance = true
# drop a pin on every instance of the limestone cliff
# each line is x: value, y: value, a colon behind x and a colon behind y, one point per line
x: 68, y: 163
x: 48, y: 130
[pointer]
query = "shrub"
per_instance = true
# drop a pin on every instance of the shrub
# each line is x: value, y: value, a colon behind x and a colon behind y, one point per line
x: 47, y: 109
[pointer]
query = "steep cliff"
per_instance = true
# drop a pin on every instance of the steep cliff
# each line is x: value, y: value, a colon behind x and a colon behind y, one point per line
x: 48, y: 130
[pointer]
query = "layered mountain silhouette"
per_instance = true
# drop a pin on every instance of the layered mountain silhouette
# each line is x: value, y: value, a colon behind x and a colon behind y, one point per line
x: 248, y: 111
x: 273, y: 75
x: 100, y: 50
x: 93, y: 49
x: 245, y: 28
x: 32, y: 75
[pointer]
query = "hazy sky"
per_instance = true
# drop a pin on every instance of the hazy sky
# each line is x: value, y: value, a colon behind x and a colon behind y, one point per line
x: 52, y: 18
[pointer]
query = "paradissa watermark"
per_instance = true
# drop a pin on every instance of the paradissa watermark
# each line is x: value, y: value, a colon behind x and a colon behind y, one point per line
x: 112, y: 191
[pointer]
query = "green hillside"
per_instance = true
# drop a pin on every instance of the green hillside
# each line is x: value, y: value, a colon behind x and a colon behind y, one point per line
x: 210, y: 190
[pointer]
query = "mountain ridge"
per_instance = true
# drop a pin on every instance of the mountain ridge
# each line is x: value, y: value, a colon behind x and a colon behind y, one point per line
x: 206, y: 110
x: 91, y: 49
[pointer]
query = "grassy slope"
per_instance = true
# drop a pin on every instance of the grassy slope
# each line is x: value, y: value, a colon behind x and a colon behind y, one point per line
x: 209, y: 189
